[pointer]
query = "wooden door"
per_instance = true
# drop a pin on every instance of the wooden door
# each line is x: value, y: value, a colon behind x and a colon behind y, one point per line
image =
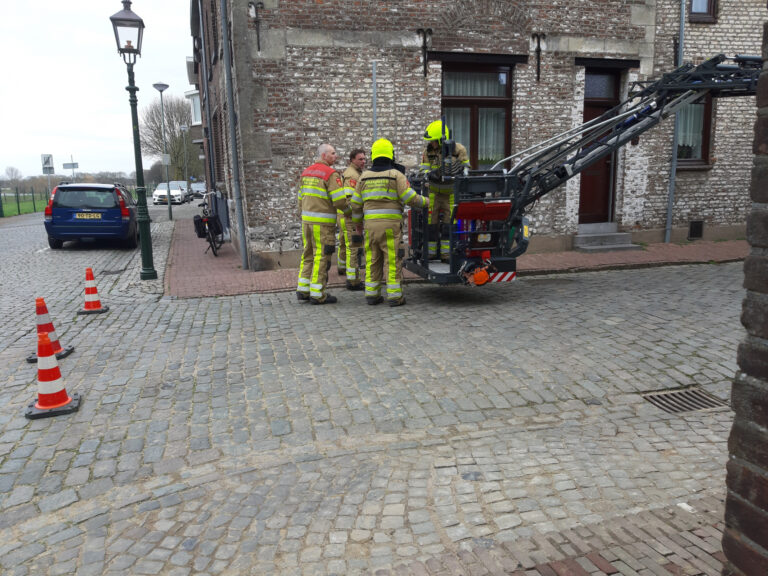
x: 597, y: 181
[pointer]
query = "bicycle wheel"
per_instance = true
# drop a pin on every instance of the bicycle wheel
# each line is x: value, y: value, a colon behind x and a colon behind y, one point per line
x: 212, y: 241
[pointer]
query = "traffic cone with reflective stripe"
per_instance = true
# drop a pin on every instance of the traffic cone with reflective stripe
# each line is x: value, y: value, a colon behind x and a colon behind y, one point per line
x: 44, y: 324
x: 92, y: 302
x: 52, y: 397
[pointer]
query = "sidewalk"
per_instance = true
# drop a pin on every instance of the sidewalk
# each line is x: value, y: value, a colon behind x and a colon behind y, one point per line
x: 192, y: 273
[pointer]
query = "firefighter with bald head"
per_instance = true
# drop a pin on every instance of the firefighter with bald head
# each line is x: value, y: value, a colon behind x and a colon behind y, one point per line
x: 321, y: 194
x: 441, y: 184
x: 378, y: 201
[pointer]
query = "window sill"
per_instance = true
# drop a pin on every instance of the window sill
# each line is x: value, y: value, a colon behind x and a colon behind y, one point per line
x: 683, y: 167
x: 702, y: 19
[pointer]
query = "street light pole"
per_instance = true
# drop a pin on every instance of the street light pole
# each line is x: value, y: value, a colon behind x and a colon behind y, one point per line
x: 184, y: 128
x: 129, y: 30
x: 160, y: 87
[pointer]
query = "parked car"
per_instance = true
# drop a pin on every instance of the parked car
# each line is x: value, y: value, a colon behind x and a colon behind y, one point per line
x: 92, y: 211
x: 178, y: 192
x: 198, y: 189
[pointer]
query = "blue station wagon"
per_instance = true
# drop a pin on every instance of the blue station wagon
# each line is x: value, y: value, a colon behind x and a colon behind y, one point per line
x: 92, y: 211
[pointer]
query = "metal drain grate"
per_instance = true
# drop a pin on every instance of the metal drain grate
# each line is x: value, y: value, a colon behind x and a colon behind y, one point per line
x: 685, y: 400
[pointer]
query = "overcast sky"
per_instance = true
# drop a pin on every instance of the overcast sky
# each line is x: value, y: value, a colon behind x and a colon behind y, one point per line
x: 62, y: 86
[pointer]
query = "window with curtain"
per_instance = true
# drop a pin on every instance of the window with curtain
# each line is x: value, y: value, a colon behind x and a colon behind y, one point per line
x: 693, y: 143
x: 702, y: 11
x: 477, y: 104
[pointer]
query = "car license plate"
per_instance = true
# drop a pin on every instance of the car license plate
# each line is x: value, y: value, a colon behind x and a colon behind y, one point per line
x: 88, y: 216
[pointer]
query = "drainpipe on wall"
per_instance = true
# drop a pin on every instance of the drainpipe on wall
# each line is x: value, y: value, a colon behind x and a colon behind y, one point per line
x: 211, y: 157
x: 675, y: 135
x: 373, y: 82
x: 238, y: 199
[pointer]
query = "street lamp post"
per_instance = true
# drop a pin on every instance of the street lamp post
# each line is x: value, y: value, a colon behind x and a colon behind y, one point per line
x: 129, y: 30
x: 184, y: 129
x: 160, y: 87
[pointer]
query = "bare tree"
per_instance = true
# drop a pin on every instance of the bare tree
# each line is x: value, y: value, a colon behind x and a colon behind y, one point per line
x: 154, y: 175
x: 12, y: 176
x: 177, y: 113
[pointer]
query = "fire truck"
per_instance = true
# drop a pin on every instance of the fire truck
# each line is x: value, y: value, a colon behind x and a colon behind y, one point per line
x: 488, y: 227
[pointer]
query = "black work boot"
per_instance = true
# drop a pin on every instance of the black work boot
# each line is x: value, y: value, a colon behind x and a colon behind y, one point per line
x: 399, y: 302
x: 373, y: 300
x: 327, y: 300
x: 354, y: 287
x: 302, y: 296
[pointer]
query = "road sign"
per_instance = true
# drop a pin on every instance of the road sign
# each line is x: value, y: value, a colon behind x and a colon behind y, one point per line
x: 48, y: 170
x: 47, y: 161
x: 70, y: 165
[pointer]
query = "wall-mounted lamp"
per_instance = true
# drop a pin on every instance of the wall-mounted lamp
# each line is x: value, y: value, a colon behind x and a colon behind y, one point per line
x: 253, y: 12
x: 539, y: 36
x: 426, y: 38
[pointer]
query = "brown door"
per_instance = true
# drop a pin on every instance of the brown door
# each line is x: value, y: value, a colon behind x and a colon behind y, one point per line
x: 596, y: 195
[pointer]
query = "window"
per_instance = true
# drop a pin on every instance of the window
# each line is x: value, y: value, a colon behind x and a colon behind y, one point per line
x: 477, y: 103
x: 194, y: 102
x: 703, y: 11
x: 693, y: 144
x: 601, y: 86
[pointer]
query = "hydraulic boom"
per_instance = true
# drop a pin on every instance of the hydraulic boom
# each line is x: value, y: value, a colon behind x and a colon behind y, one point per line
x: 488, y: 228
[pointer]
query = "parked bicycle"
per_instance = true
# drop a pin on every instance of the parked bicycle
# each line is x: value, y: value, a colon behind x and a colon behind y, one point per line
x: 208, y: 226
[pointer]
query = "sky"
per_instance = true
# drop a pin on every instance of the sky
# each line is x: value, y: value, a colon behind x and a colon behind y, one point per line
x: 62, y: 82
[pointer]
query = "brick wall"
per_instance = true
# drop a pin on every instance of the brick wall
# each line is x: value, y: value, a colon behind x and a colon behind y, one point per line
x: 311, y: 81
x: 745, y: 540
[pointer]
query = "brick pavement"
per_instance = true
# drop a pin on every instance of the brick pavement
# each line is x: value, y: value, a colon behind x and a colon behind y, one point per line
x: 488, y: 431
x: 191, y: 273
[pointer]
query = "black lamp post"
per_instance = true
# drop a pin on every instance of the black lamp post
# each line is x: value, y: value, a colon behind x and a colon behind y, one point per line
x: 129, y: 30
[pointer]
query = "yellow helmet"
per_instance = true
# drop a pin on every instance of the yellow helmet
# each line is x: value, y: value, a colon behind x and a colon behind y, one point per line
x: 382, y: 147
x: 435, y: 131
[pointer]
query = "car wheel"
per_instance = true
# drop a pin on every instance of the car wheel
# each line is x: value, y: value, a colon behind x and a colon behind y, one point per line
x: 133, y: 239
x: 54, y: 243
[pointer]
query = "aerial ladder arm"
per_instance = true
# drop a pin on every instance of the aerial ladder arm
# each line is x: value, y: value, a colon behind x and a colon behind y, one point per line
x: 542, y: 168
x: 488, y: 228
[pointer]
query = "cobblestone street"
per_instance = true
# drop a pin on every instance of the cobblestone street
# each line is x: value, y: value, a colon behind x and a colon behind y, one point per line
x: 476, y: 430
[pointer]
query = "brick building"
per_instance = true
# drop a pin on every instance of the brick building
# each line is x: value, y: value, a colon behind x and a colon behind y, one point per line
x: 745, y: 540
x: 506, y: 73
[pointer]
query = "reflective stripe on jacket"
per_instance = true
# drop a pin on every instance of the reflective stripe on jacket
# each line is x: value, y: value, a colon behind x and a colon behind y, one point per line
x: 321, y: 194
x: 382, y: 196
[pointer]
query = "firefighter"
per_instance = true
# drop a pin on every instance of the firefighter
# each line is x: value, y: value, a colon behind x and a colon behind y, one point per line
x: 440, y: 185
x: 321, y: 194
x: 350, y: 242
x: 378, y: 201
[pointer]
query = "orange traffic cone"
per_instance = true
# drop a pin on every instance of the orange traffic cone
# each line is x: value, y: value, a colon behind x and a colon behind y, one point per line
x: 52, y: 397
x: 92, y: 302
x: 44, y: 325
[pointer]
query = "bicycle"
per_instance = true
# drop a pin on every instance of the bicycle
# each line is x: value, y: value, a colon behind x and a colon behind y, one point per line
x: 209, y: 226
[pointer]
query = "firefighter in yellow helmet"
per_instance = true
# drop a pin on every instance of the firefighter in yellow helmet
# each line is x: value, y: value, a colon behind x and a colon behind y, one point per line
x: 441, y: 185
x: 321, y: 194
x: 378, y: 201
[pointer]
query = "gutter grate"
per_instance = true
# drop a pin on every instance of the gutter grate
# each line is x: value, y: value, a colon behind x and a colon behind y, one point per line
x: 684, y: 400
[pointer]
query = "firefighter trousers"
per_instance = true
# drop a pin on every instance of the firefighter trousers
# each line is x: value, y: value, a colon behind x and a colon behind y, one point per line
x: 346, y: 256
x: 384, y: 258
x: 440, y: 207
x: 319, y: 245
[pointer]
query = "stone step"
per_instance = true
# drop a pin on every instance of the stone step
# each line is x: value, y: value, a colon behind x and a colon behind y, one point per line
x: 599, y: 228
x: 608, y: 248
x: 583, y: 240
